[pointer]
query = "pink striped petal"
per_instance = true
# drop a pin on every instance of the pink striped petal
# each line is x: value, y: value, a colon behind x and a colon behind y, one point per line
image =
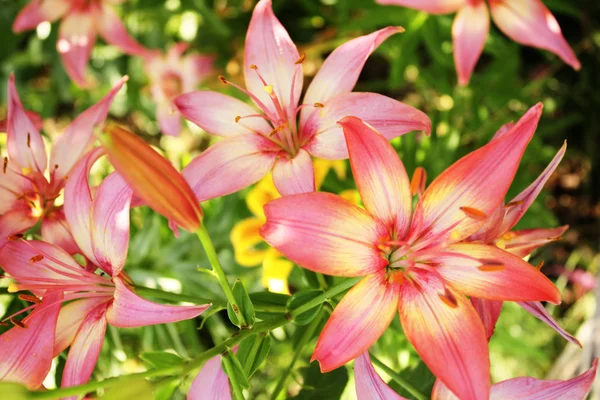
x: 128, y: 310
x: 85, y: 349
x: 430, y: 6
x: 55, y: 230
x: 339, y: 72
x: 519, y: 205
x: 270, y: 48
x: 529, y: 22
x: 389, y: 117
x: 469, y: 32
x: 539, y: 311
x: 479, y: 181
x: 76, y: 38
x: 447, y: 333
x: 26, y: 353
x: 441, y: 392
x: 15, y: 221
x: 489, y: 312
x: 38, y: 11
x: 110, y: 234
x: 294, y: 175
x: 359, y: 319
x: 71, y: 318
x: 216, y: 113
x: 79, y: 135
x: 526, y: 388
x: 369, y: 385
x: 380, y: 176
x: 23, y: 142
x: 114, y: 32
x: 230, y: 165
x: 325, y: 233
x: 490, y: 273
x: 12, y: 185
x: 522, y: 243
x: 211, y: 383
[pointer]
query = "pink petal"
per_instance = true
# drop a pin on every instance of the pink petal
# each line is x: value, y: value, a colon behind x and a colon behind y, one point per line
x: 110, y: 235
x: 15, y: 221
x: 369, y: 385
x: 128, y: 310
x: 85, y: 349
x: 380, y: 176
x: 445, y: 330
x: 211, y: 383
x: 339, y: 72
x: 38, y: 11
x: 489, y: 312
x: 14, y: 184
x: 490, y: 273
x: 519, y: 205
x: 114, y: 32
x: 23, y: 142
x: 294, y: 175
x: 168, y: 119
x: 539, y: 311
x: 70, y: 319
x: 479, y: 181
x: 441, y: 392
x: 270, y: 48
x: 526, y: 388
x: 359, y: 319
x: 430, y: 6
x: 529, y: 22
x: 79, y: 135
x: 26, y: 353
x: 469, y: 32
x: 522, y: 243
x: 216, y: 113
x: 325, y: 233
x: 389, y: 117
x: 55, y: 230
x: 230, y: 165
x: 196, y: 68
x: 76, y: 38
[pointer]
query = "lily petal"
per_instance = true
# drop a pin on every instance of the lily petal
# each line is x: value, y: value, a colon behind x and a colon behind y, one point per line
x: 13, y: 183
x: 369, y: 385
x: 469, y: 32
x: 113, y: 31
x: 128, y: 310
x: 23, y: 142
x: 490, y: 273
x: 216, y: 113
x: 55, y: 230
x: 270, y: 48
x: 230, y: 165
x: 540, y: 312
x: 430, y: 6
x: 447, y: 333
x: 168, y: 119
x: 389, y: 117
x: 529, y: 22
x: 294, y: 175
x: 489, y: 312
x: 79, y: 135
x: 70, y: 319
x: 38, y: 11
x: 380, y: 176
x: 76, y: 38
x: 14, y: 222
x: 325, y: 233
x: 479, y: 181
x: 359, y: 319
x: 522, y: 243
x: 211, y: 383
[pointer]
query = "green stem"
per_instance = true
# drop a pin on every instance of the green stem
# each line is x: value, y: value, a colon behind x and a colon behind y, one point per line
x: 329, y: 293
x: 322, y: 281
x: 400, y: 380
x: 235, y: 385
x: 213, y: 259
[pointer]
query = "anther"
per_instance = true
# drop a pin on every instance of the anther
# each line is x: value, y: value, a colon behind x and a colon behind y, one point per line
x: 474, y: 213
x: 5, y: 165
x: 253, y: 66
x: 28, y: 139
x: 278, y: 129
x: 514, y: 203
x: 237, y: 119
x: 540, y: 265
x: 16, y: 237
x: 36, y: 258
x: 448, y: 299
x: 319, y: 105
x: 491, y: 267
x: 30, y: 298
x: 301, y: 59
x: 55, y: 166
x: 17, y: 323
x: 417, y: 183
x: 222, y: 79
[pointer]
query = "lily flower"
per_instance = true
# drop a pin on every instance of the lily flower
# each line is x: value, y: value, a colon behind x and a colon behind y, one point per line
x: 211, y: 383
x: 99, y: 221
x: 28, y: 187
x: 412, y: 261
x: 528, y: 22
x: 172, y: 75
x: 283, y: 135
x: 82, y: 21
x: 368, y: 383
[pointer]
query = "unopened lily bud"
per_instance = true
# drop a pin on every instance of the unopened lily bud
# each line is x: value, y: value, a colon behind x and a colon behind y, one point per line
x: 152, y: 178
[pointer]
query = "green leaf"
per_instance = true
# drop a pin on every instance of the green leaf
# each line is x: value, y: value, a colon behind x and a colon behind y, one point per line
x: 311, y: 278
x: 13, y: 391
x: 165, y: 389
x: 234, y: 370
x: 246, y: 307
x: 318, y: 386
x: 419, y: 376
x: 253, y: 351
x: 299, y: 299
x: 134, y: 389
x: 276, y: 299
x: 159, y: 359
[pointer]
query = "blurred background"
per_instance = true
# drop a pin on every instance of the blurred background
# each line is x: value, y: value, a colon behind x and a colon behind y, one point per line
x: 415, y: 67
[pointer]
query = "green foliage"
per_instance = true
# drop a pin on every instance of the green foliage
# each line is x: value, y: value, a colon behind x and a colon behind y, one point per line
x: 244, y: 302
x: 322, y: 386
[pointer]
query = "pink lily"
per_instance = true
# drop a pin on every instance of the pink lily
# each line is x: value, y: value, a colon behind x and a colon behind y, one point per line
x: 82, y: 21
x: 412, y: 261
x: 172, y: 75
x: 275, y: 138
x: 528, y: 22
x: 99, y: 221
x: 28, y: 188
x: 369, y: 385
x: 211, y: 383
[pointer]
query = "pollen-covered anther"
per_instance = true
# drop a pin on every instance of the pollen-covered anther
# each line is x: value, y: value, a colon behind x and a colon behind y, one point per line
x: 28, y: 139
x: 29, y: 298
x: 396, y: 277
x: 319, y: 105
x: 5, y: 165
x: 222, y: 79
x: 474, y: 213
x: 269, y: 89
x: 36, y: 258
x: 253, y: 66
x: 301, y: 59
x: 417, y: 183
x: 237, y: 118
x: 540, y: 265
x: 494, y: 267
x: 448, y: 299
x: 16, y: 237
x: 18, y: 323
x: 514, y: 203
x: 278, y: 129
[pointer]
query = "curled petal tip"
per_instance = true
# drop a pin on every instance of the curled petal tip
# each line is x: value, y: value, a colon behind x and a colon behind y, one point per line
x: 400, y: 29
